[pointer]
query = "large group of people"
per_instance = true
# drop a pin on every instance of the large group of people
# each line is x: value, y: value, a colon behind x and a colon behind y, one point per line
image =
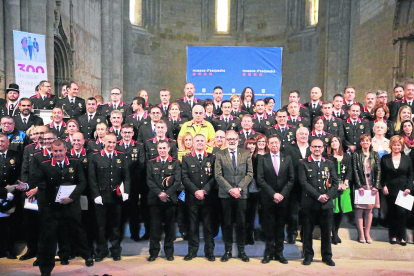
x: 226, y: 163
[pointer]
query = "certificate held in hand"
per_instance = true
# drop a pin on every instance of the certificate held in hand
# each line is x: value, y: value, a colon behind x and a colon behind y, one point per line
x: 64, y: 191
x: 405, y: 201
x: 367, y: 198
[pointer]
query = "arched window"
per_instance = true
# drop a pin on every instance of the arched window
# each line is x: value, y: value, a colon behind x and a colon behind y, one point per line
x: 312, y: 11
x: 135, y: 12
x: 223, y: 16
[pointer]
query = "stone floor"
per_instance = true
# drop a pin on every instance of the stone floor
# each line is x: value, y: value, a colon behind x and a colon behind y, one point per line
x: 137, y: 265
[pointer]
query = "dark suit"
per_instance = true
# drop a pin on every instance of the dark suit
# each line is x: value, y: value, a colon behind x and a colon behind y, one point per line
x: 287, y: 137
x: 314, y: 112
x: 104, y: 177
x: 228, y: 178
x: 157, y: 172
x: 62, y: 133
x: 396, y: 180
x: 217, y: 111
x: 88, y: 127
x: 299, y: 122
x: 32, y: 121
x: 136, y: 122
x: 232, y: 124
x: 186, y: 108
x: 250, y: 110
x: 347, y: 106
x: 394, y: 107
x: 238, y: 114
x: 242, y: 137
x: 343, y: 115
x: 106, y: 109
x: 48, y: 103
x: 151, y: 152
x: 366, y: 114
x: 74, y: 110
x: 334, y: 126
x: 317, y: 181
x: 303, y: 111
x: 56, y: 217
x: 199, y: 176
x: 324, y: 136
x: 274, y: 214
x: 145, y: 132
x: 265, y: 123
x: 352, y: 133
x: 176, y: 126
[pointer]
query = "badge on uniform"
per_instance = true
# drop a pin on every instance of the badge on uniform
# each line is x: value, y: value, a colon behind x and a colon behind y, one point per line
x: 51, y: 102
x: 80, y: 105
x: 135, y: 150
x: 326, y: 139
x: 180, y: 125
x: 98, y: 120
x: 17, y: 137
x: 290, y: 133
x: 145, y: 123
x: 192, y: 166
x: 335, y: 124
x: 122, y: 110
x: 85, y: 160
x: 71, y: 170
x: 118, y: 161
x: 170, y: 167
x: 267, y: 123
x: 233, y: 124
x: 208, y: 164
x: 12, y: 161
x: 66, y: 131
x: 361, y: 127
x: 300, y: 125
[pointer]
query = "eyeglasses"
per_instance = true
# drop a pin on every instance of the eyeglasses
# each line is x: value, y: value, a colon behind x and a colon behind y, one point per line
x: 261, y: 141
x: 127, y: 132
x: 232, y: 139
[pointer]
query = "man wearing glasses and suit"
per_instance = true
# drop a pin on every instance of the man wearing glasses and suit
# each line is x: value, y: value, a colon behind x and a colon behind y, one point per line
x: 234, y: 172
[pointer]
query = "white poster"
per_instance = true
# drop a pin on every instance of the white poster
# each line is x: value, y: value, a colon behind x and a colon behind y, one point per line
x: 29, y: 61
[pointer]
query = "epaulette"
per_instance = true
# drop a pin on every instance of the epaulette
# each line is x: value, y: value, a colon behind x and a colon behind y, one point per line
x: 47, y: 161
x: 117, y: 151
x: 97, y: 152
x: 37, y: 152
x: 131, y: 115
x: 188, y: 155
x: 73, y: 158
x: 30, y: 145
x: 153, y: 159
x: 150, y: 139
x: 34, y: 96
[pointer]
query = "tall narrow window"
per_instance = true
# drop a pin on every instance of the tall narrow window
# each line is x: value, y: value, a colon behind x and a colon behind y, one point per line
x: 135, y: 12
x: 222, y: 16
x: 312, y: 11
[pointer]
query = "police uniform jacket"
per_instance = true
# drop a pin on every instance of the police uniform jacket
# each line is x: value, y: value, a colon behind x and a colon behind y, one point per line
x: 74, y: 110
x: 48, y: 103
x: 134, y: 120
x: 198, y: 176
x: 157, y: 173
x: 63, y: 132
x: 366, y: 114
x: 324, y: 136
x: 347, y: 106
x: 135, y: 156
x: 88, y: 128
x: 299, y: 122
x: 314, y: 112
x: 303, y: 111
x: 242, y: 137
x: 176, y: 126
x: 186, y: 108
x: 50, y: 176
x: 17, y: 140
x: 145, y: 131
x: 352, y: 133
x: 287, y: 137
x: 106, y: 109
x: 151, y: 152
x: 82, y: 157
x: 316, y: 181
x: 27, y: 164
x: 232, y: 124
x: 265, y: 122
x: 106, y: 175
x: 394, y: 107
x: 251, y: 110
x: 10, y: 168
x: 95, y: 146
x: 217, y: 111
x: 334, y: 126
x: 118, y: 135
x: 341, y: 115
x: 270, y: 182
x: 238, y: 113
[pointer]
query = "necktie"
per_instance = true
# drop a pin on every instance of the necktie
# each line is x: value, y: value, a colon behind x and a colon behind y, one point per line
x: 246, y: 134
x: 126, y: 146
x: 233, y: 160
x: 61, y: 165
x: 282, y: 129
x: 200, y: 158
x: 259, y: 119
x: 11, y: 106
x: 163, y: 162
x: 226, y: 120
x: 314, y: 106
x: 72, y: 101
x: 116, y: 132
x: 24, y: 120
x: 174, y: 121
x: 90, y: 117
x: 318, y: 163
x: 3, y: 155
x: 319, y: 135
x: 57, y: 128
x: 409, y: 103
x: 274, y: 160
x: 293, y: 121
x: 43, y: 98
x: 247, y: 106
x: 78, y: 155
x: 165, y: 109
x: 110, y: 157
x: 354, y: 124
x: 191, y: 103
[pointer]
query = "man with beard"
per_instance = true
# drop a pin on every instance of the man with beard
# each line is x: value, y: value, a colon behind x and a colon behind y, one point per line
x: 394, y: 105
x: 26, y: 118
x: 11, y: 106
x: 261, y: 121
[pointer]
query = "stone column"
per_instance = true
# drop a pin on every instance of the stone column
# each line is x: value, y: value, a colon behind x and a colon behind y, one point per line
x: 50, y: 42
x: 11, y: 22
x: 107, y: 48
x: 2, y: 45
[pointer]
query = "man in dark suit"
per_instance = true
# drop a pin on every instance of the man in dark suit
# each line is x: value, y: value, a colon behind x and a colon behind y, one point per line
x: 275, y: 177
x: 319, y: 186
x: 338, y: 111
x: 226, y: 121
x: 87, y: 122
x: 26, y: 118
x: 163, y: 180
x: 297, y: 152
x: 189, y: 101
x: 261, y: 121
x: 198, y: 180
x: 218, y: 97
x: 44, y: 100
x: 285, y: 132
x: 138, y: 116
x: 294, y: 96
x: 349, y: 98
x: 115, y: 103
x: 135, y: 155
x: 72, y: 104
x: 247, y: 131
x: 332, y: 124
x: 58, y: 126
x: 150, y: 145
x: 354, y: 127
x: 394, y: 105
x: 294, y: 119
x: 233, y: 172
x: 147, y: 128
x: 315, y: 105
x: 116, y: 122
x: 370, y: 101
x: 66, y: 213
x: 108, y: 170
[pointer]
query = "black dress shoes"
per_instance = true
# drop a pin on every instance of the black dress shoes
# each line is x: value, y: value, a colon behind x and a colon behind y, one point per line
x: 36, y: 263
x: 11, y: 256
x: 281, y: 259
x: 189, y: 257
x: 98, y: 259
x: 211, y: 258
x: 145, y: 237
x: 329, y: 262
x: 291, y: 240
x: 307, y: 261
x: 249, y: 240
x: 27, y: 256
x: 266, y: 259
x: 226, y: 257
x: 116, y: 258
x: 151, y: 258
x: 170, y: 258
x: 243, y: 257
x: 89, y: 262
x: 64, y: 262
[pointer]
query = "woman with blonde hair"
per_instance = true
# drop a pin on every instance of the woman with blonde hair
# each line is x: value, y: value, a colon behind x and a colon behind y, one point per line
x: 380, y: 144
x: 404, y: 113
x: 72, y: 126
x: 175, y: 119
x: 381, y: 113
x: 236, y: 110
x: 30, y: 132
x: 145, y: 95
x: 187, y: 142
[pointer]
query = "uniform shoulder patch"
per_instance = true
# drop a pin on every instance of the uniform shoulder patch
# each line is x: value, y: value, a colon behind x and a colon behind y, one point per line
x: 30, y: 145
x: 47, y: 161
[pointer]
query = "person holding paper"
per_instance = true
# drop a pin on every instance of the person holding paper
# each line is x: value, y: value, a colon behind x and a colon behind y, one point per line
x: 108, y: 169
x: 53, y: 175
x: 198, y: 179
x: 367, y: 173
x: 396, y: 175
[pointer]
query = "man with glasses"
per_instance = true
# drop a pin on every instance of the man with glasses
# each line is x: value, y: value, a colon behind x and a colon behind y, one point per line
x: 89, y: 120
x: 197, y: 126
x: 73, y: 105
x: 382, y: 97
x: 319, y: 181
x: 17, y: 138
x: 11, y: 106
x: 44, y: 100
x: 147, y: 129
x: 26, y: 118
x: 115, y: 103
x: 233, y: 172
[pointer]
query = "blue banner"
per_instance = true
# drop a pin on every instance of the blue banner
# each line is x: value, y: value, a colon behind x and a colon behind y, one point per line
x: 234, y: 68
